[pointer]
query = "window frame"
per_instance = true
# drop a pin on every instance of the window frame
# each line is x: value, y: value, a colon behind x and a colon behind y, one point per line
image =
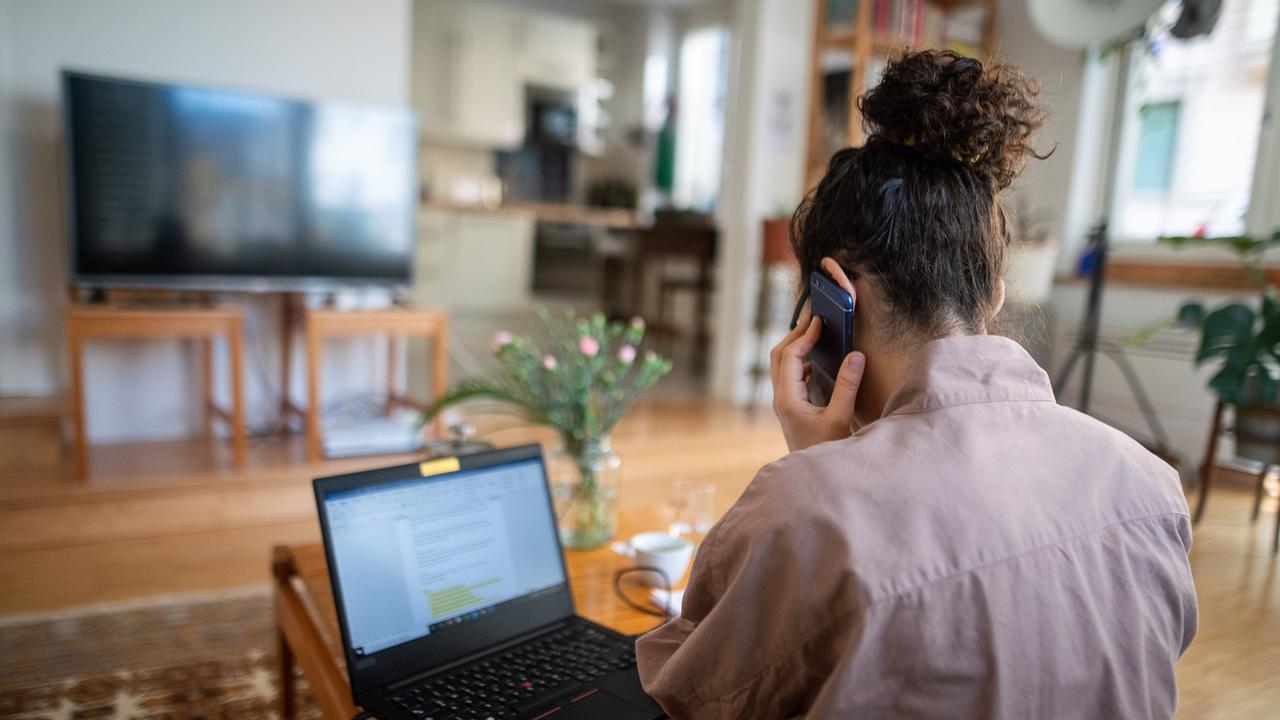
x: 1263, y: 213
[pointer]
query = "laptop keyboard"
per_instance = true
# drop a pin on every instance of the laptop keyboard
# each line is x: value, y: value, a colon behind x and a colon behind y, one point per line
x: 525, y: 678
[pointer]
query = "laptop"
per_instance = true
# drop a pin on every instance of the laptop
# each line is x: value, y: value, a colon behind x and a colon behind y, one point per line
x: 454, y: 601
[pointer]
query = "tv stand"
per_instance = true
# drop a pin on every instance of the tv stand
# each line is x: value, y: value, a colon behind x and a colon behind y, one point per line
x: 395, y: 323
x: 93, y: 322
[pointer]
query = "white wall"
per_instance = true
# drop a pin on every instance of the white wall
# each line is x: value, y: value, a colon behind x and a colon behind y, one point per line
x: 764, y: 166
x: 350, y: 49
x: 1044, y: 187
x: 8, y: 262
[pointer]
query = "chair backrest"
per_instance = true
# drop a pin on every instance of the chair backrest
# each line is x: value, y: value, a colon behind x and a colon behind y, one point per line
x: 680, y: 239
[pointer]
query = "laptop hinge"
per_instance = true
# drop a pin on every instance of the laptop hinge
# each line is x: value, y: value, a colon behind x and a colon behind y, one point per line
x: 419, y: 677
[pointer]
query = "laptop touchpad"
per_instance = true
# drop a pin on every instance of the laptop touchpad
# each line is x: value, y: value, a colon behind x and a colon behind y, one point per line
x: 626, y: 685
x: 595, y: 706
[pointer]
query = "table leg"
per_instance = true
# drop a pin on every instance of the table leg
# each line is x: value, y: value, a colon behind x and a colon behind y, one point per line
x: 393, y: 391
x: 236, y: 353
x: 206, y: 383
x: 703, y: 336
x: 440, y: 370
x: 288, y: 328
x: 282, y: 571
x: 284, y: 666
x: 76, y: 355
x: 314, y: 450
x: 1259, y: 491
x: 1210, y: 459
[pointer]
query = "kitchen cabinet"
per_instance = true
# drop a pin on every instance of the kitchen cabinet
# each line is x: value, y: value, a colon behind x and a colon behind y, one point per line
x: 472, y: 61
x: 466, y: 82
x: 559, y: 52
x: 474, y: 259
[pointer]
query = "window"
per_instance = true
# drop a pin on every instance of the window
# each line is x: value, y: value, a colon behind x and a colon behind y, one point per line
x: 1193, y: 121
x: 1157, y: 142
x: 704, y: 58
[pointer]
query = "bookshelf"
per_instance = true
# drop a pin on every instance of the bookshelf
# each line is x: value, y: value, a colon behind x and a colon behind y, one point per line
x: 854, y: 39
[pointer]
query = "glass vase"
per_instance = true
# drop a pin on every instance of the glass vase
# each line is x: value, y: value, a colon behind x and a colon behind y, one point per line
x: 584, y: 483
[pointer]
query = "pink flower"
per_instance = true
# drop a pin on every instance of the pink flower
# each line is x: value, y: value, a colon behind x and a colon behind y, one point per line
x: 589, y: 346
x: 501, y: 339
x: 627, y: 354
x: 637, y: 322
x: 549, y: 362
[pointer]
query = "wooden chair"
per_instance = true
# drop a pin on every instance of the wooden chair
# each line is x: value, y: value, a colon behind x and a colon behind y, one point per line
x: 696, y: 240
x: 1210, y: 463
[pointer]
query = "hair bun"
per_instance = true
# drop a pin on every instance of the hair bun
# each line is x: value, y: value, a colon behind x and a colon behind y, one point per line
x: 951, y: 108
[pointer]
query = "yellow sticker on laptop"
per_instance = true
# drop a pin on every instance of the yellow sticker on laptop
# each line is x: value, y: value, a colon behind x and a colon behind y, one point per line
x: 439, y: 467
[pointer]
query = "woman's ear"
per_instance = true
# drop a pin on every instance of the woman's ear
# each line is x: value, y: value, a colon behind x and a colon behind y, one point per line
x: 838, y: 274
x: 998, y: 305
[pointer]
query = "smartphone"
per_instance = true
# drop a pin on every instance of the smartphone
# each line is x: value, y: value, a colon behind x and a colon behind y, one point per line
x: 829, y: 301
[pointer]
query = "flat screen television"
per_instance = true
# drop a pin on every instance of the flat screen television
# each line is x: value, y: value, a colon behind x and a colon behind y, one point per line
x: 183, y: 186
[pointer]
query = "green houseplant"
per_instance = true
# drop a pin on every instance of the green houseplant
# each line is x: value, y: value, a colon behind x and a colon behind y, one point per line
x: 579, y: 380
x: 1244, y: 339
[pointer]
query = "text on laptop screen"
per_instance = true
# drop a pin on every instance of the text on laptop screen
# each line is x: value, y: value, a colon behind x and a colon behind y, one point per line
x: 419, y: 556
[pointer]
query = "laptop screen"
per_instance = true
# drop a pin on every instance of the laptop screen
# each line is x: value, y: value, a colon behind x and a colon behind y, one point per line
x: 429, y: 556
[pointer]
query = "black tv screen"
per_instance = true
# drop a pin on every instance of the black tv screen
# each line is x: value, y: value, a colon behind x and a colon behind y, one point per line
x: 190, y: 186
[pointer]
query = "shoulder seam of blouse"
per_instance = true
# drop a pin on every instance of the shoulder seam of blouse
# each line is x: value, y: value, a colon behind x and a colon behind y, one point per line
x: 872, y: 602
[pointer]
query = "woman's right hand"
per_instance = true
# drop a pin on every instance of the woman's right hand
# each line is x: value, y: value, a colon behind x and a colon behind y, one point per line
x: 803, y: 423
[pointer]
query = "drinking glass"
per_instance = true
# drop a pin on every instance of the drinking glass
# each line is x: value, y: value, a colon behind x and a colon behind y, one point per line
x: 693, y: 507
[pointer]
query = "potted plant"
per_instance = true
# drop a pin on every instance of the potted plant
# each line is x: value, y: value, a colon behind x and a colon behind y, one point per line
x: 1244, y: 338
x: 1031, y: 259
x: 580, y: 382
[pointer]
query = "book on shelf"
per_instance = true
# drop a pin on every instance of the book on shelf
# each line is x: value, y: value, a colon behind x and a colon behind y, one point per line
x: 918, y: 23
x: 842, y: 12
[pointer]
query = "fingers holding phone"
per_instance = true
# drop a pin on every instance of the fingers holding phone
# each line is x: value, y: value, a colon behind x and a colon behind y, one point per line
x: 826, y: 339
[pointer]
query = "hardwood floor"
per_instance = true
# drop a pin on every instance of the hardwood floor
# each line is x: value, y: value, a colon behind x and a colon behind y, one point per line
x: 173, y: 517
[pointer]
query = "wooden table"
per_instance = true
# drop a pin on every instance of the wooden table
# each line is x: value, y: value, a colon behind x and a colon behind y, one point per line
x: 307, y: 624
x: 395, y: 323
x: 85, y: 323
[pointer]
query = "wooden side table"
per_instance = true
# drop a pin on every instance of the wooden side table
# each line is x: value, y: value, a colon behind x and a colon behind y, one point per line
x: 392, y: 322
x: 307, y: 623
x: 85, y: 323
x: 1216, y: 430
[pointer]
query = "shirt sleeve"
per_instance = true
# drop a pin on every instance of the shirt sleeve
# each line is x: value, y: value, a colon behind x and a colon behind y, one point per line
x: 745, y: 645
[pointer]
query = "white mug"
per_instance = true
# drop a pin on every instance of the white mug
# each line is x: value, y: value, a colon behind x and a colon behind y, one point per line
x: 659, y: 550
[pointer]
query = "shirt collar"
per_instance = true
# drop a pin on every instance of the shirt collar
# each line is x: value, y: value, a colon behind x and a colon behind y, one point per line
x: 969, y: 369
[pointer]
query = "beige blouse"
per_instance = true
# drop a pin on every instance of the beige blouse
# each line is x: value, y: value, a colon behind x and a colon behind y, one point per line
x: 978, y: 552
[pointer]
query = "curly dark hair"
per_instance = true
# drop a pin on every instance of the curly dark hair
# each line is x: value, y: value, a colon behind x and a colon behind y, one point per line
x: 918, y: 205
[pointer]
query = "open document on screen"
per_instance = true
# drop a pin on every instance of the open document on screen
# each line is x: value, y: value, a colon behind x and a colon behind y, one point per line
x: 414, y: 556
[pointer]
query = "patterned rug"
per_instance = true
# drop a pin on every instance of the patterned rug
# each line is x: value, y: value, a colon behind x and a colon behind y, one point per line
x: 206, y: 656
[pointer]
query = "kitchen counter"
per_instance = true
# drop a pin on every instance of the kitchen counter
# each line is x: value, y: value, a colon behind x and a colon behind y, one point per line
x: 567, y: 213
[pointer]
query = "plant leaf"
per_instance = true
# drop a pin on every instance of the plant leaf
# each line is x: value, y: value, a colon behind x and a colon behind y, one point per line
x: 1226, y: 329
x: 1228, y: 383
x: 1191, y: 314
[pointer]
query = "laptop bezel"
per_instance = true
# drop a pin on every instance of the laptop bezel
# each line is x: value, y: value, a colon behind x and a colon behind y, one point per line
x: 390, y: 665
